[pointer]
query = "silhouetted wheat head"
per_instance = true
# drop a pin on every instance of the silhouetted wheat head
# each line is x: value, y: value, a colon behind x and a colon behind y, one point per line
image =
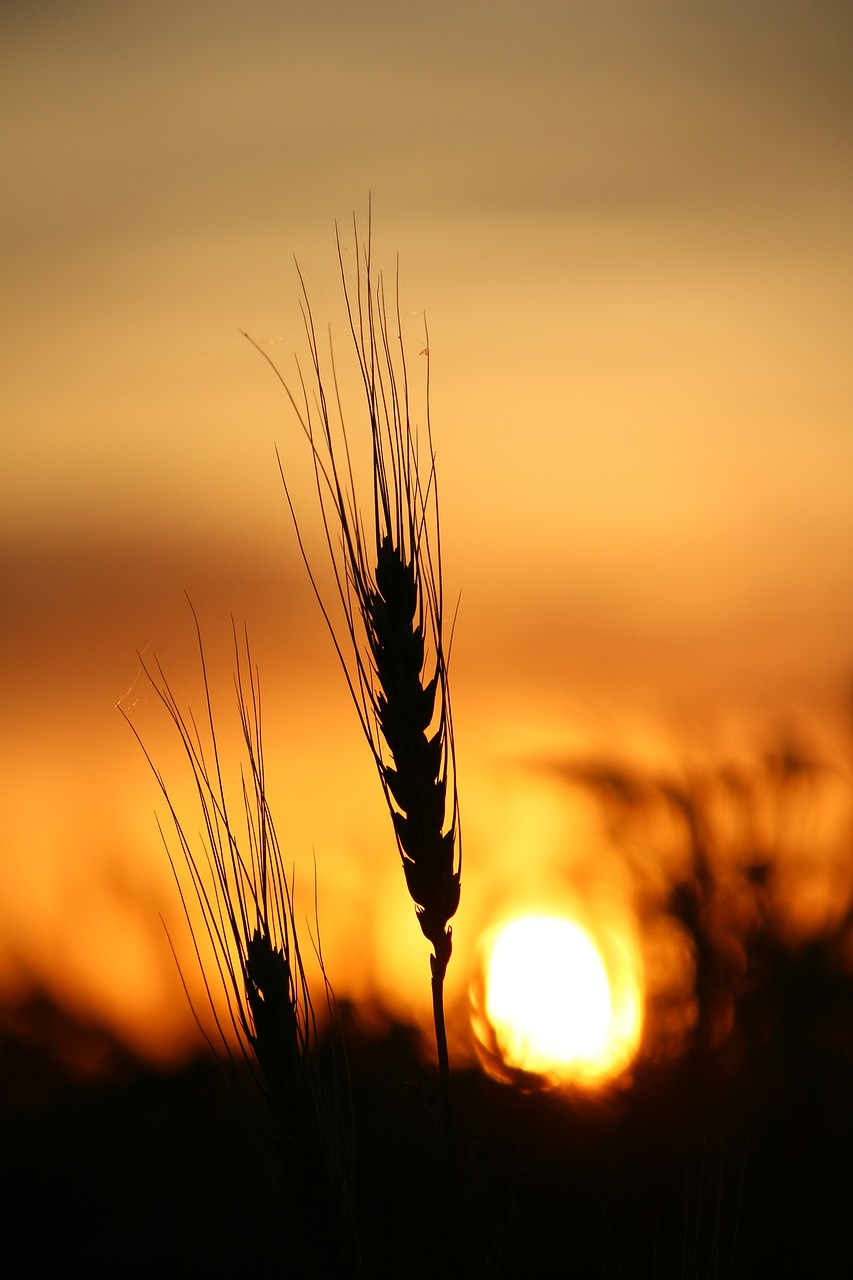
x: 385, y: 551
x: 244, y: 896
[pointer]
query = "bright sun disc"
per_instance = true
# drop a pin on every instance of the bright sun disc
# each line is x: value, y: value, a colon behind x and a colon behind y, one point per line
x: 552, y: 1008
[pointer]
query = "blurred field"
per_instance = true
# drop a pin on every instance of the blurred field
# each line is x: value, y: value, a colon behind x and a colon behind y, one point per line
x: 706, y: 1166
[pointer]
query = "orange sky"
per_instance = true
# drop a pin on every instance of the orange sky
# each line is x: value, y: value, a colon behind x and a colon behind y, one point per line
x: 630, y: 228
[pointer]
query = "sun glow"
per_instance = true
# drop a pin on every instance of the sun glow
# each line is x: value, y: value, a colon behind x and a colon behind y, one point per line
x: 551, y: 1006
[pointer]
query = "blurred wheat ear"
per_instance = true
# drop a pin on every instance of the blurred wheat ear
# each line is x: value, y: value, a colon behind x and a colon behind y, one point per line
x: 391, y: 642
x: 243, y: 897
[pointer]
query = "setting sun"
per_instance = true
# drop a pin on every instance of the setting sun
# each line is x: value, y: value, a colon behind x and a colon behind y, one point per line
x: 551, y: 1005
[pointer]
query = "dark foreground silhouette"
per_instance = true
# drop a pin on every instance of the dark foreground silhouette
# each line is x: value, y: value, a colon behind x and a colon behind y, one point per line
x: 714, y: 1165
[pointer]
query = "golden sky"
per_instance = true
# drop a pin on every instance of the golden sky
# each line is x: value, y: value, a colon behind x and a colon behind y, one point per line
x: 631, y: 229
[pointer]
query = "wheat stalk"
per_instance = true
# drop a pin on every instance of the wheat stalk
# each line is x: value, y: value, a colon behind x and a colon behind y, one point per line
x: 388, y: 580
x: 242, y: 890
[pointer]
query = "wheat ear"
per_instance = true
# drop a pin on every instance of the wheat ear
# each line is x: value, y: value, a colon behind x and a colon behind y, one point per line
x: 242, y: 890
x: 392, y: 646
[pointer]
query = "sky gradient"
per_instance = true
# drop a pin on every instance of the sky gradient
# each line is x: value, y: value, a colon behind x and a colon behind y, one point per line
x: 629, y: 226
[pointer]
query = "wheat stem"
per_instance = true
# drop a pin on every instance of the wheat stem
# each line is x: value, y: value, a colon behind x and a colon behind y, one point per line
x: 388, y: 581
x: 245, y: 900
